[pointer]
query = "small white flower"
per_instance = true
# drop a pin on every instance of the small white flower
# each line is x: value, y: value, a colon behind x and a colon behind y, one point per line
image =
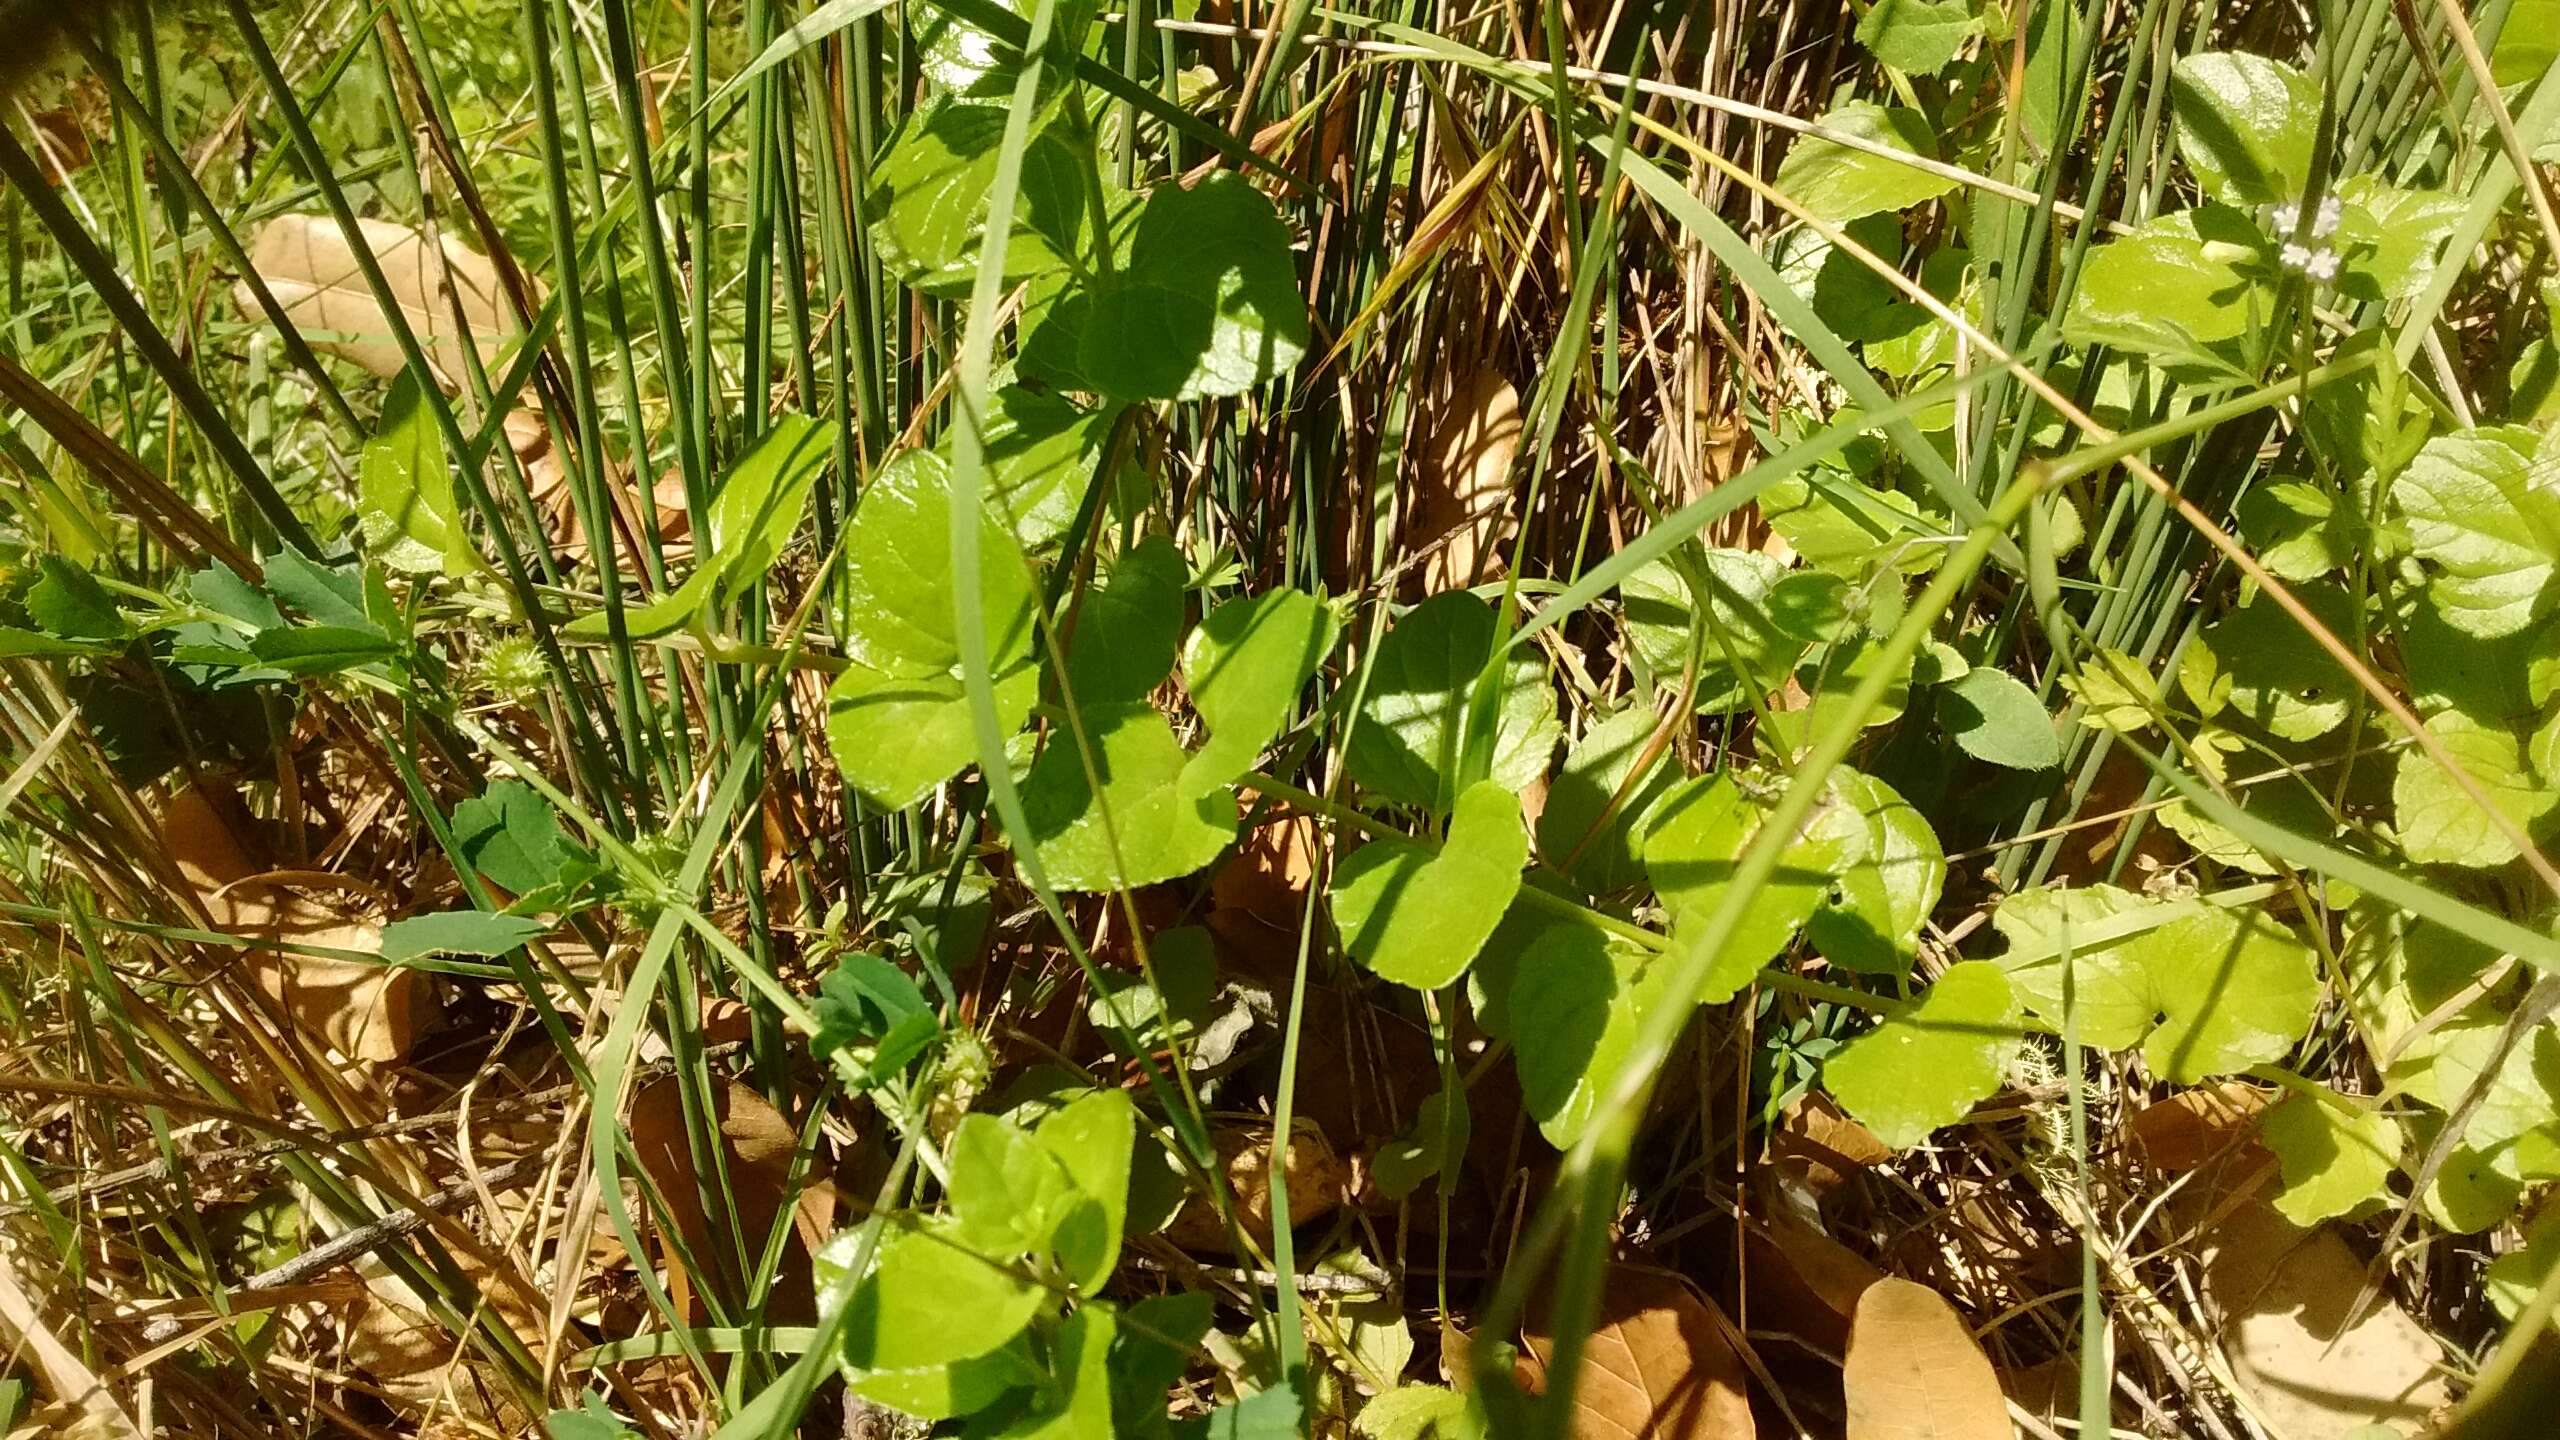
x: 2322, y: 266
x: 2282, y: 218
x: 2326, y: 223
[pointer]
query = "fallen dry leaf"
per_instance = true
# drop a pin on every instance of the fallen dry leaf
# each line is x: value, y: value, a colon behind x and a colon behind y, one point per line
x: 1315, y: 1176
x: 1914, y: 1371
x: 2280, y: 1296
x: 314, y: 274
x: 758, y: 1144
x: 1659, y: 1364
x: 1800, y: 1282
x: 364, y: 1011
x: 1461, y: 496
x: 2212, y: 1124
x: 1816, y: 1145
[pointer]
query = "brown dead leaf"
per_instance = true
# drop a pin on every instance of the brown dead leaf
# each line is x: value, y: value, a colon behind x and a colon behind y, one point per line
x: 1315, y: 1176
x: 758, y: 1144
x: 1801, y: 1282
x: 1461, y: 496
x: 1659, y: 1364
x: 366, y: 1012
x: 308, y: 264
x: 1914, y: 1371
x: 1816, y: 1145
x: 2280, y: 1297
x: 2212, y: 1124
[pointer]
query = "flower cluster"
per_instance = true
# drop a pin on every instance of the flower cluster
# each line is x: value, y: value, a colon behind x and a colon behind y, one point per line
x: 2315, y: 260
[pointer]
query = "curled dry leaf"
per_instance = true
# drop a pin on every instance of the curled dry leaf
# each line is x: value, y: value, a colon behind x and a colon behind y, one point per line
x: 1816, y: 1146
x: 1800, y: 1282
x: 1914, y: 1371
x: 1314, y: 1175
x: 363, y: 1010
x: 1659, y: 1364
x: 2280, y: 1297
x: 1461, y: 497
x: 2211, y: 1125
x: 314, y: 274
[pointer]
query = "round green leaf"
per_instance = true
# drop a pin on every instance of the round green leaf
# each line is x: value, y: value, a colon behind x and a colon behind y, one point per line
x: 1995, y: 717
x: 2280, y: 677
x: 1697, y: 839
x: 2485, y: 519
x: 1244, y: 668
x: 2247, y: 125
x: 930, y: 1301
x: 1139, y: 827
x: 2334, y: 1161
x: 1407, y: 743
x: 2438, y: 823
x: 1419, y: 918
x: 1607, y: 858
x: 1932, y: 1059
x: 1870, y: 919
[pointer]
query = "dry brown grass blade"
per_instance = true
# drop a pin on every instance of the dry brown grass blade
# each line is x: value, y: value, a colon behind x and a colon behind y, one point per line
x: 312, y: 267
x: 58, y: 1370
x: 1658, y: 1365
x: 1914, y: 1371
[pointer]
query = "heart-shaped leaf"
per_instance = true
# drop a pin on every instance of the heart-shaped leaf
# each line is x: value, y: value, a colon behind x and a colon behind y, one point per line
x: 1126, y: 822
x: 1932, y: 1059
x: 1412, y: 723
x: 1697, y: 839
x: 1418, y: 918
x: 1244, y: 667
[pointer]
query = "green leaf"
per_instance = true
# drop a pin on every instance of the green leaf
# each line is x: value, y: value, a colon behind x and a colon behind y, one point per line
x: 942, y: 1392
x: 1126, y: 630
x: 2387, y: 237
x: 68, y: 603
x: 1204, y: 302
x: 1993, y: 716
x: 1007, y: 1191
x: 2514, y: 1278
x: 2298, y: 529
x: 324, y: 592
x: 1697, y: 838
x: 2052, y: 35
x: 1153, y: 1354
x: 1093, y: 1138
x: 2334, y: 1161
x: 1608, y: 858
x: 2439, y: 824
x: 1834, y: 182
x: 1418, y: 918
x: 865, y: 1000
x: 457, y: 932
x: 2208, y: 991
x: 1273, y: 1414
x: 1244, y: 667
x: 322, y: 649
x: 759, y: 504
x: 2246, y: 124
x: 509, y: 834
x: 1418, y: 1412
x: 1433, y: 1144
x: 590, y: 1421
x: 1918, y: 36
x: 1041, y: 453
x: 1741, y: 651
x: 2483, y: 511
x: 2280, y: 677
x: 404, y: 491
x: 1139, y: 827
x: 2527, y: 43
x: 1847, y: 526
x: 2173, y: 289
x: 961, y: 57
x: 898, y: 717
x: 1870, y: 919
x: 928, y: 1301
x: 1932, y: 1059
x: 1570, y: 1001
x: 927, y: 200
x: 1412, y: 724
x: 1077, y: 1403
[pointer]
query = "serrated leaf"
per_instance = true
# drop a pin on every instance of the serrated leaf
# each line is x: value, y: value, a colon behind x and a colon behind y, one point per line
x: 1412, y: 723
x: 1993, y: 716
x: 1007, y: 1191
x: 2279, y: 677
x: 1137, y: 828
x: 897, y: 718
x: 1931, y: 1060
x: 928, y: 1301
x: 2116, y: 692
x: 1203, y: 302
x: 457, y: 932
x: 1418, y: 918
x: 927, y: 201
x: 326, y: 593
x: 1244, y: 667
x: 1870, y: 918
x: 2484, y: 515
x: 2246, y: 124
x: 1126, y: 630
x: 1698, y: 837
x: 2297, y: 529
x: 68, y: 603
x: 1834, y: 182
x: 2389, y: 237
x: 1918, y: 36
x: 2334, y: 1161
x: 2208, y: 991
x: 2437, y: 822
x: 1610, y: 857
x: 404, y: 491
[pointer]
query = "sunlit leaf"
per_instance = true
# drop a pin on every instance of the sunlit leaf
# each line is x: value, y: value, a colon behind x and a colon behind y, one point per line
x: 1408, y: 741
x: 1419, y: 918
x: 1135, y: 827
x: 1932, y: 1059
